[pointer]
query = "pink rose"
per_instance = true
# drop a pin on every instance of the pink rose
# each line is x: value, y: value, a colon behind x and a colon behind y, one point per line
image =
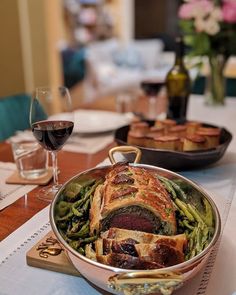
x: 186, y: 11
x: 229, y: 11
x: 195, y: 9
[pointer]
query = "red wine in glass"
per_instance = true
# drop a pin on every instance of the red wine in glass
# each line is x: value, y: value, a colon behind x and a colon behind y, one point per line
x: 151, y: 88
x: 51, y: 119
x: 52, y: 134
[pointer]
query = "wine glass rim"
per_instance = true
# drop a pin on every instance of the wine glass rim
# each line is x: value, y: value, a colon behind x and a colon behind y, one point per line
x: 50, y: 87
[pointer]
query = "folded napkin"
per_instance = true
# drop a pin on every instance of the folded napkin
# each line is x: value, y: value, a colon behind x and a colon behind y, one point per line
x: 77, y: 143
x: 9, y: 193
x: 26, y: 135
x: 88, y: 144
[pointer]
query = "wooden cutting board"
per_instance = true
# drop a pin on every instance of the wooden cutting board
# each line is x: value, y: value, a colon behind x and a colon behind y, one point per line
x: 38, y: 256
x: 59, y: 263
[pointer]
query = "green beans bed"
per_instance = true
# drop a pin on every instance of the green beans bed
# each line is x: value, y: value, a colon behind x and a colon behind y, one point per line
x: 193, y: 214
x: 72, y: 213
x: 194, y: 217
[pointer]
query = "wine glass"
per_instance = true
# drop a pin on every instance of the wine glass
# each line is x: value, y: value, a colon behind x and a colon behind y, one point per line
x: 52, y: 122
x: 151, y: 88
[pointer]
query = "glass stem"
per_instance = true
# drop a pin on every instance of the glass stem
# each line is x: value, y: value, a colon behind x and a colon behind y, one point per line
x: 54, y: 167
x: 152, y: 112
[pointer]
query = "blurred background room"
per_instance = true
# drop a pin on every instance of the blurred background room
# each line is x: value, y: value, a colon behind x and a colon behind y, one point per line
x: 96, y: 48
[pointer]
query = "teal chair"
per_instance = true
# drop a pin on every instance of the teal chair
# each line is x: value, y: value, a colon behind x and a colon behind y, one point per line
x: 14, y: 114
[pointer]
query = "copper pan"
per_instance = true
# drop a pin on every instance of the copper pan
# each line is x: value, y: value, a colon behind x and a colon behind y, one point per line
x: 122, y: 281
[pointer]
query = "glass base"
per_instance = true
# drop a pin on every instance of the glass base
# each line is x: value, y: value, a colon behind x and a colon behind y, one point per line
x: 48, y: 192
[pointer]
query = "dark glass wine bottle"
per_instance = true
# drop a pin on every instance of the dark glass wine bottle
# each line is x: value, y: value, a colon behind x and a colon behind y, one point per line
x: 178, y: 86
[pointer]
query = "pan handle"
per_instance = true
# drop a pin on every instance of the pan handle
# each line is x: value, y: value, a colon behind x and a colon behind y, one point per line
x: 153, y: 281
x: 125, y: 149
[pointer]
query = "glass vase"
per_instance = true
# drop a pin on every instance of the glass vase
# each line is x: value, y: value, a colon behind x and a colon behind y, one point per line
x: 215, y: 87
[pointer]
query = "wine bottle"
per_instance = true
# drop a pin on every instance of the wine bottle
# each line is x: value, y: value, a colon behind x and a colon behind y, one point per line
x: 178, y: 86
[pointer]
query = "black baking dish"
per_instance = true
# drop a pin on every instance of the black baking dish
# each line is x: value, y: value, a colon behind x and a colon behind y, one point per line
x: 177, y: 160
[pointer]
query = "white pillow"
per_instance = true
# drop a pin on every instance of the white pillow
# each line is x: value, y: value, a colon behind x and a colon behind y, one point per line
x: 150, y: 51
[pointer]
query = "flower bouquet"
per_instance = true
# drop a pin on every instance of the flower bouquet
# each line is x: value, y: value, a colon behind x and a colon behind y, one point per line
x: 209, y: 28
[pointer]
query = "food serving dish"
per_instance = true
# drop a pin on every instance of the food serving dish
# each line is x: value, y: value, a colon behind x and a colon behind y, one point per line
x: 176, y: 160
x: 206, y: 225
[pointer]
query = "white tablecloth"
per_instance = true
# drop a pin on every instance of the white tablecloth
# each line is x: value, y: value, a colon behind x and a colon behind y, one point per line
x: 223, y: 277
x: 9, y: 193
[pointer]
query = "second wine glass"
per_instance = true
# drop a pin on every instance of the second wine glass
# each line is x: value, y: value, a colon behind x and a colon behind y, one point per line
x: 151, y: 88
x: 52, y: 122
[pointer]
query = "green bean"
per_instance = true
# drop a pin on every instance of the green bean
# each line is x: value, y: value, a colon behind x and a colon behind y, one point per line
x: 205, y: 235
x: 195, y: 213
x: 80, y: 212
x: 92, y: 189
x: 64, y: 236
x: 76, y: 212
x: 178, y: 191
x: 86, y: 197
x: 72, y: 190
x: 89, y: 239
x: 66, y: 217
x: 184, y: 209
x: 87, y: 183
x: 78, y: 203
x: 198, y: 240
x: 81, y: 250
x: 79, y: 244
x: 186, y: 224
x: 63, y: 208
x: 76, y: 226
x: 62, y: 224
x: 81, y: 233
x: 208, y: 215
x: 86, y: 205
x: 74, y: 244
x: 168, y: 186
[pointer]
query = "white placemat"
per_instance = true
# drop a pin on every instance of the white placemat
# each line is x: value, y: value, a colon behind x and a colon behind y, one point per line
x: 9, y: 193
x: 88, y: 144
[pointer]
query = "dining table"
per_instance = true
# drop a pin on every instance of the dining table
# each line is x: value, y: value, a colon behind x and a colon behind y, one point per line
x: 26, y: 220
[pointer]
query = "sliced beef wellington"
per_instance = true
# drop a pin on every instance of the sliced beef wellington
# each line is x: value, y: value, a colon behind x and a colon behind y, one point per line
x: 132, y: 198
x: 138, y: 237
x: 140, y: 250
x: 127, y: 261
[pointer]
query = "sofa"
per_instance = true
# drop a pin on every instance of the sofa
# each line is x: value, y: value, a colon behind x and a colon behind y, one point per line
x: 113, y: 67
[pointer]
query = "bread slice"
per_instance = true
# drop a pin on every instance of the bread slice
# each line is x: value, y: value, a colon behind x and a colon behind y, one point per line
x: 167, y: 124
x: 212, y: 136
x: 194, y: 143
x: 168, y: 142
x: 136, y: 138
x: 178, y: 130
x: 192, y: 127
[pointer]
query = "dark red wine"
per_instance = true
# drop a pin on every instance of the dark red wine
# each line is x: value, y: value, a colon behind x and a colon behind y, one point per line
x: 52, y: 134
x: 177, y: 108
x: 151, y: 87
